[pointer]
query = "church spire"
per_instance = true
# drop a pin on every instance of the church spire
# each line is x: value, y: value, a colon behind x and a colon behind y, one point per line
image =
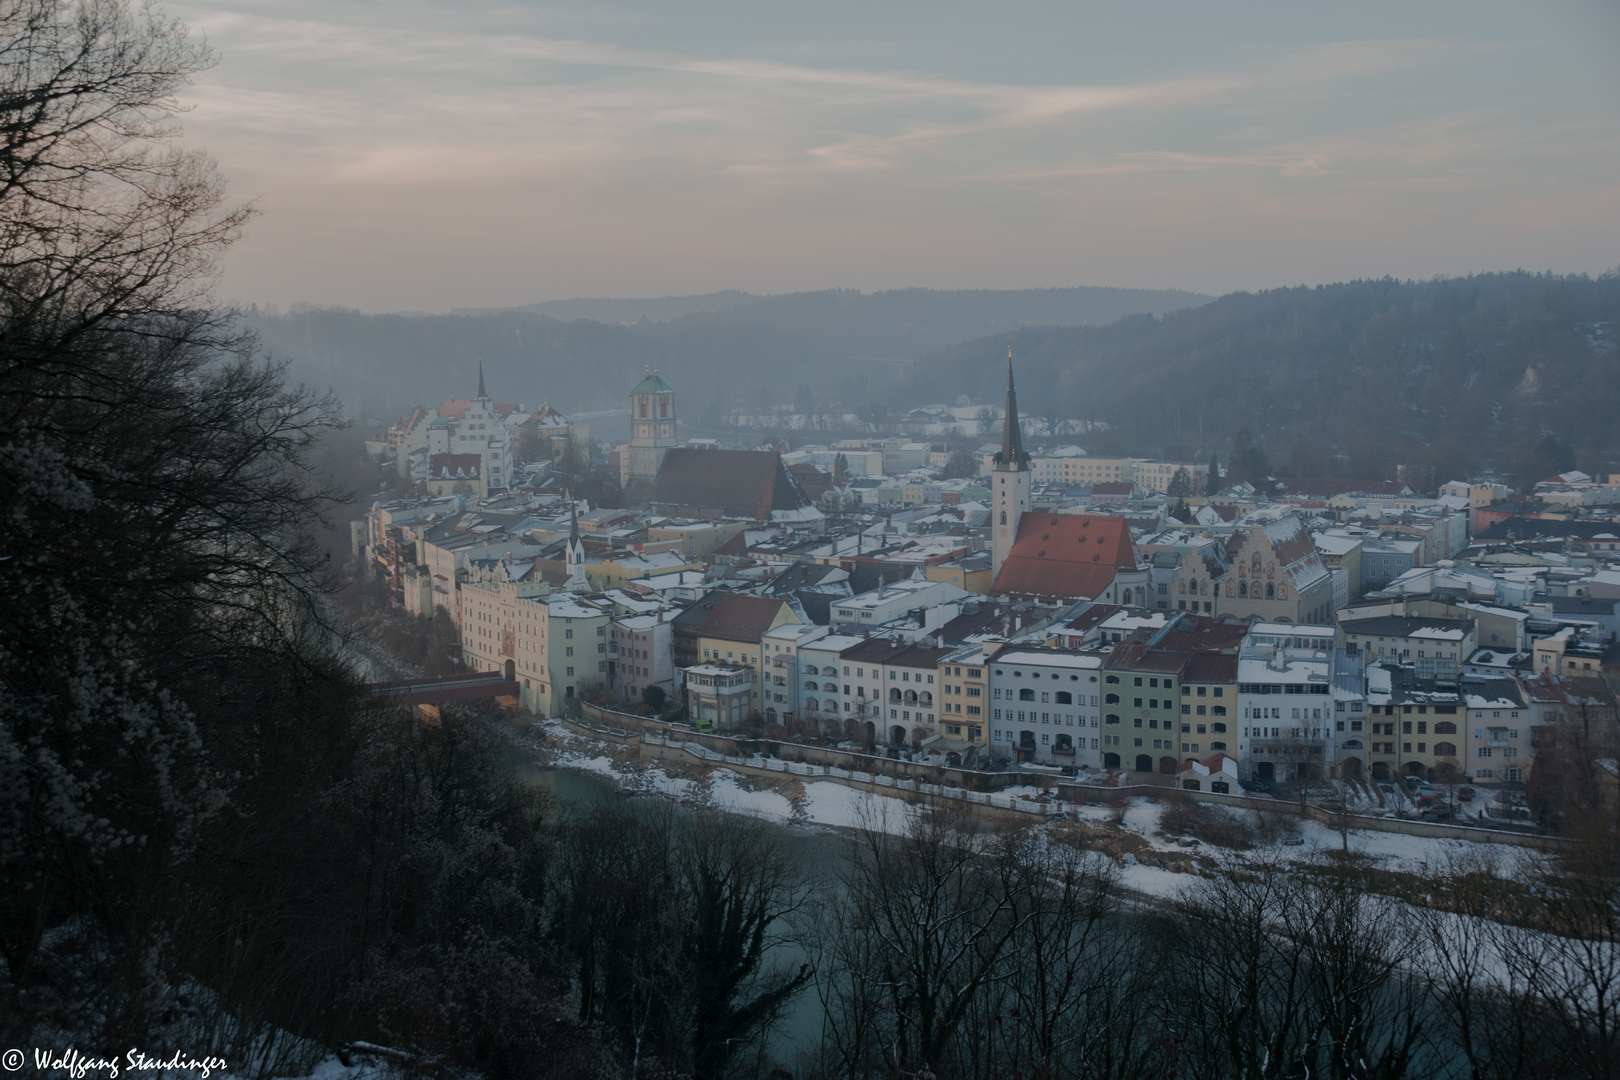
x: 1012, y: 455
x: 575, y: 555
x: 482, y: 395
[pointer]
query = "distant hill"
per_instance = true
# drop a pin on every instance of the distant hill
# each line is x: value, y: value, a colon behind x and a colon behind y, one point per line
x: 658, y: 309
x: 716, y: 349
x: 1356, y: 377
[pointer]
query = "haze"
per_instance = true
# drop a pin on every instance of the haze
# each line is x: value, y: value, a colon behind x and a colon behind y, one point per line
x: 420, y: 156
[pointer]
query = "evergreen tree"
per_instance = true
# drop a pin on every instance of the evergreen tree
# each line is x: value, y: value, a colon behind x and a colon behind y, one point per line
x: 1180, y: 485
x: 1212, y: 482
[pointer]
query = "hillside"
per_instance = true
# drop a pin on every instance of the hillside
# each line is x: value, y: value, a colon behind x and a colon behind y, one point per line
x: 739, y: 348
x: 1355, y: 377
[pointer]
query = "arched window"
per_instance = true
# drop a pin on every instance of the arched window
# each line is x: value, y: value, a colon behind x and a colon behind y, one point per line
x: 1112, y: 679
x: 926, y: 699
x: 1065, y: 698
x: 1445, y: 749
x: 1445, y: 727
x: 810, y: 684
x: 1026, y: 695
x: 644, y: 408
x: 1218, y: 729
x: 831, y: 688
x: 811, y: 704
x: 810, y: 669
x: 1125, y: 597
x: 1111, y: 699
x: 1004, y: 517
x: 1243, y: 588
x: 894, y: 694
x: 911, y: 697
x: 1111, y: 718
x: 1271, y: 591
x: 1217, y: 746
x: 663, y: 406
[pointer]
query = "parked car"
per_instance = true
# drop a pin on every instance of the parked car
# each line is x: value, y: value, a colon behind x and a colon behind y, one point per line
x: 1255, y: 785
x: 1294, y: 841
x: 1436, y: 813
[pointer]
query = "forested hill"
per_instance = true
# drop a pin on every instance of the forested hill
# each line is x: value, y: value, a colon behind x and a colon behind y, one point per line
x: 1451, y: 372
x: 718, y: 350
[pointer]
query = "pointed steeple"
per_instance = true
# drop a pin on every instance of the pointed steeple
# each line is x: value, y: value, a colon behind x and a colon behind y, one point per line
x: 1012, y: 455
x: 576, y: 549
x: 482, y: 395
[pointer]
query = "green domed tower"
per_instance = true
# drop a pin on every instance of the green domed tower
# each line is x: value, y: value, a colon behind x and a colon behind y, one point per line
x: 652, y: 428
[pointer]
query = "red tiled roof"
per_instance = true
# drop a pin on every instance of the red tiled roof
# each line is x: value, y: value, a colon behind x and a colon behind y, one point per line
x: 1211, y: 669
x: 881, y: 650
x: 1068, y: 555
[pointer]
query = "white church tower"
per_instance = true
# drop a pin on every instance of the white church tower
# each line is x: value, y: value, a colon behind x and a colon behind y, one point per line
x: 652, y: 428
x: 576, y: 551
x: 1009, y: 482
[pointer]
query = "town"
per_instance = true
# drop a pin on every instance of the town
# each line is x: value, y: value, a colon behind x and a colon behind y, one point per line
x: 1055, y: 613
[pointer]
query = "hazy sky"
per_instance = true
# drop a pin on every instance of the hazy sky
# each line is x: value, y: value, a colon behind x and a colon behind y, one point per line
x: 411, y: 155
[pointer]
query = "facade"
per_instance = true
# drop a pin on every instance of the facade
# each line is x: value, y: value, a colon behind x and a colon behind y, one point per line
x: 902, y: 681
x: 732, y: 631
x: 641, y: 650
x: 555, y: 646
x: 719, y: 695
x: 1500, y: 747
x: 1275, y: 574
x: 1141, y: 709
x: 893, y: 601
x: 779, y: 648
x: 474, y: 427
x: 1044, y: 705
x: 1010, y: 482
x: 965, y: 695
x: 1383, y: 560
x: 455, y: 474
x: 1154, y: 477
x: 1209, y: 705
x: 1341, y: 551
x: 827, y: 691
x: 652, y: 430
x: 1302, y: 706
x: 1433, y: 646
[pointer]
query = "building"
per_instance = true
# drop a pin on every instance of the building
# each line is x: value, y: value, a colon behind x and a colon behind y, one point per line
x: 1010, y: 482
x: 456, y: 474
x: 882, y: 605
x: 641, y: 654
x: 828, y: 694
x: 1075, y: 557
x: 652, y: 431
x: 555, y: 646
x: 475, y: 427
x: 1302, y: 705
x: 1275, y: 574
x: 720, y: 695
x: 1044, y: 705
x: 965, y: 697
x: 739, y: 484
x: 730, y: 631
x: 900, y: 680
x: 1209, y: 705
x: 1384, y: 559
x: 779, y: 648
x: 1155, y: 477
x: 1432, y: 646
x: 1341, y: 551
x: 1499, y: 730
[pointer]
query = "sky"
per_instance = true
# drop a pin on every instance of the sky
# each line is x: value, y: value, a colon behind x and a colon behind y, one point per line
x: 413, y: 155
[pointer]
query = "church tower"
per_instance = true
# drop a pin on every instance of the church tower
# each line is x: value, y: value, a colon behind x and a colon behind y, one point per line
x: 576, y: 550
x: 1010, y: 481
x: 652, y: 428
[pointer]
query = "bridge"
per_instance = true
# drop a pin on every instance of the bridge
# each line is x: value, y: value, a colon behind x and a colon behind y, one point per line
x: 477, y: 686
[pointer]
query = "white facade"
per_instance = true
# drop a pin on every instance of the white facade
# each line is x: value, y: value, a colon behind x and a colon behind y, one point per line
x: 833, y: 694
x: 480, y: 431
x: 554, y: 646
x: 1301, y: 705
x: 643, y: 651
x: 1043, y: 706
x: 893, y: 601
x: 779, y: 657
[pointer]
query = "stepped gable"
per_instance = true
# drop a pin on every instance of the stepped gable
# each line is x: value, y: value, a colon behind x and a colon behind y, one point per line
x: 725, y: 483
x: 1074, y: 556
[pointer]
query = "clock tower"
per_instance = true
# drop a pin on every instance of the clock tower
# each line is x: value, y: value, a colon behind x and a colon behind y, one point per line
x: 652, y: 428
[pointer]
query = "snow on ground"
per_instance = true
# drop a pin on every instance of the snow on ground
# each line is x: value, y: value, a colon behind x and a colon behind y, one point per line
x: 725, y: 793
x: 830, y: 803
